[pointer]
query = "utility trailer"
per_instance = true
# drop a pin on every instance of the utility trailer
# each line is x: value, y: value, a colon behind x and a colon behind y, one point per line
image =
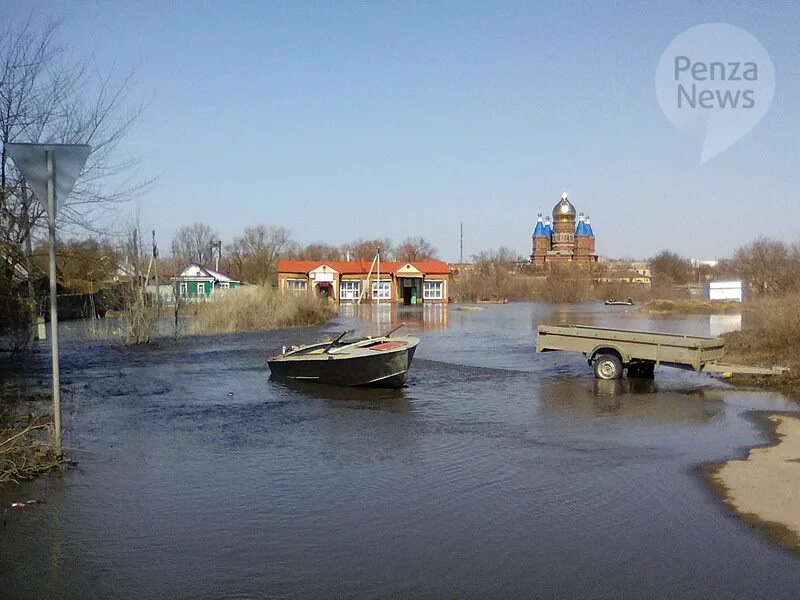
x: 610, y: 351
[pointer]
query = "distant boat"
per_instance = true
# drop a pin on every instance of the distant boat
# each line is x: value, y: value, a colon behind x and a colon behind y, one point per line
x: 492, y: 301
x: 377, y: 362
x: 613, y: 302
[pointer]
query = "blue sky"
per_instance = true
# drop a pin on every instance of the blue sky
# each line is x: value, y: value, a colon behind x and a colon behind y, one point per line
x: 344, y: 120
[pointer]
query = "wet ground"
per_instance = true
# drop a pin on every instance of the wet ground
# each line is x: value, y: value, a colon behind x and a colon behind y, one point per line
x: 496, y: 473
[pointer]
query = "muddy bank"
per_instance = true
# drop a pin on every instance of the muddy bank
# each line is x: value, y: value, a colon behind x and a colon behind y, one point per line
x: 764, y: 487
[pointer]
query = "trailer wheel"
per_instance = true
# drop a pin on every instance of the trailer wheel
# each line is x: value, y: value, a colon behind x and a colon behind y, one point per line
x: 607, y: 366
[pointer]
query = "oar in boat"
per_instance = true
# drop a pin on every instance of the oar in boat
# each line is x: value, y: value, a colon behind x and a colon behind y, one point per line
x: 334, y: 342
x: 395, y: 329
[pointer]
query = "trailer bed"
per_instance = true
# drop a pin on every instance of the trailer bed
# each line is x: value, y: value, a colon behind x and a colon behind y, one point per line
x: 641, y: 351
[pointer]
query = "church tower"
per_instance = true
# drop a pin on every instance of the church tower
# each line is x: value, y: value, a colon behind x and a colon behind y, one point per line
x: 564, y: 226
x: 563, y: 241
x: 540, y: 241
x: 583, y: 242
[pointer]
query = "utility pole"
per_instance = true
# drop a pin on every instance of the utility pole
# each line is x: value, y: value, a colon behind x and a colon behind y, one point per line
x: 216, y: 245
x: 461, y: 254
x: 155, y: 265
x: 28, y: 257
x: 378, y: 296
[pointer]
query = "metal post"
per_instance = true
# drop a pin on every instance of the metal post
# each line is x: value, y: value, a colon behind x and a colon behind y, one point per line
x: 51, y: 218
x: 461, y: 253
x: 155, y: 264
x: 378, y: 298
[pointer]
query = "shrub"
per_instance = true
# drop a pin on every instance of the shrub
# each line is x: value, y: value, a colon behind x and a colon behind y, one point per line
x: 255, y: 307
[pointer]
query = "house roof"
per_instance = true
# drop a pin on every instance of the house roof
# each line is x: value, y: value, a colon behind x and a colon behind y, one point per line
x: 361, y: 267
x: 197, y: 271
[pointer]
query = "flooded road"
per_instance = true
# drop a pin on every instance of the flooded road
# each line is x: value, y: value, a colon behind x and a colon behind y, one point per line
x: 496, y: 473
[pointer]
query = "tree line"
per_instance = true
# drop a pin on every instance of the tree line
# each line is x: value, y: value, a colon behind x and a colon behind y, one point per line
x: 769, y: 267
x: 253, y: 255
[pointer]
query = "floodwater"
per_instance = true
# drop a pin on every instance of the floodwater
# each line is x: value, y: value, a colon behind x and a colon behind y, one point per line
x: 496, y: 473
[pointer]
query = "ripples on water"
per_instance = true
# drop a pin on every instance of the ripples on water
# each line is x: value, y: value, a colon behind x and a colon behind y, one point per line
x: 496, y: 473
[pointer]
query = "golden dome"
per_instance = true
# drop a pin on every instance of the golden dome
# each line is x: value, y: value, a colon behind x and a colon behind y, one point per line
x: 564, y: 209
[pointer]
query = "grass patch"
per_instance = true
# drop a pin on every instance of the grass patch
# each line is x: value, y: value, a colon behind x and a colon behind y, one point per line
x: 258, y: 308
x: 692, y: 307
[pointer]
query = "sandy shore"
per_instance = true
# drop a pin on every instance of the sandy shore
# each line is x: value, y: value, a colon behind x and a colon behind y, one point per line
x: 765, y: 487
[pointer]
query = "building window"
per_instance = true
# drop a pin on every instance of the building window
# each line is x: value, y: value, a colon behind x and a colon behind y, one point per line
x: 296, y: 286
x: 432, y: 290
x: 183, y: 288
x: 381, y: 290
x: 201, y: 288
x: 349, y: 290
x: 224, y: 285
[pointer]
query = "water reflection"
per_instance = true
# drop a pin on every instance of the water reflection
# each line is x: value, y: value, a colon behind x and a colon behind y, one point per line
x: 618, y: 387
x: 392, y: 400
x: 719, y: 324
x: 630, y: 397
x: 383, y: 317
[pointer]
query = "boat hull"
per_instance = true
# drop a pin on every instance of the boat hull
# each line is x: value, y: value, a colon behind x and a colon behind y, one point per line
x: 384, y: 369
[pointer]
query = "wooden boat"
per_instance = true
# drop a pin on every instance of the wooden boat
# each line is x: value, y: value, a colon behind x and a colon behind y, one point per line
x: 613, y: 302
x: 378, y: 362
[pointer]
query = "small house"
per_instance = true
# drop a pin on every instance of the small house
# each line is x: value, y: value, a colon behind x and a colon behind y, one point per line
x: 197, y: 282
x: 415, y: 282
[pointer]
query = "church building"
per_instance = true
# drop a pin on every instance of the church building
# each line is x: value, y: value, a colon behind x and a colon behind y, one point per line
x: 563, y: 241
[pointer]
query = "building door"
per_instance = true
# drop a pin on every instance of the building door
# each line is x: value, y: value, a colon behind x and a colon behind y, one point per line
x: 410, y: 292
x: 325, y: 291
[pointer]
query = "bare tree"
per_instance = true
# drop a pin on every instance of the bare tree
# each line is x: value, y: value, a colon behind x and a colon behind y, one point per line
x: 141, y: 319
x: 49, y: 96
x: 317, y: 251
x: 415, y: 248
x: 669, y: 267
x: 502, y: 259
x: 768, y: 266
x: 192, y: 243
x: 255, y: 253
x: 367, y: 249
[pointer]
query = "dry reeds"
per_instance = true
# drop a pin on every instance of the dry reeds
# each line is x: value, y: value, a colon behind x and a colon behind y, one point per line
x: 770, y: 335
x: 23, y: 451
x: 256, y: 308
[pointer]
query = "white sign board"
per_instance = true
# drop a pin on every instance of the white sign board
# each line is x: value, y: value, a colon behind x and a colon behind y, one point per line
x: 724, y: 290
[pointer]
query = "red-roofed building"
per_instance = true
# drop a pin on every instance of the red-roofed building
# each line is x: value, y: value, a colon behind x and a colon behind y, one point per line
x: 399, y: 282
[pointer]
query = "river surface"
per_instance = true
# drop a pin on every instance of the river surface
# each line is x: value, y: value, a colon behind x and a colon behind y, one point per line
x: 496, y: 473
